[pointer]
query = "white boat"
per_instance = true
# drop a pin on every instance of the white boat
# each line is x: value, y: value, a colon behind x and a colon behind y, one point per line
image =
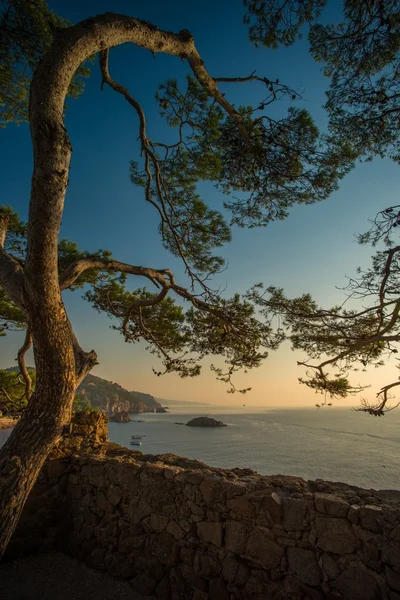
x: 136, y: 443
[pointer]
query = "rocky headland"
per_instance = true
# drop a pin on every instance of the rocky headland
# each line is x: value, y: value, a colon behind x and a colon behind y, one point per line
x: 120, y: 417
x: 111, y: 398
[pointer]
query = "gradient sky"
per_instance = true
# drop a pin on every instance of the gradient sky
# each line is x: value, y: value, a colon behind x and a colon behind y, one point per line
x: 311, y: 251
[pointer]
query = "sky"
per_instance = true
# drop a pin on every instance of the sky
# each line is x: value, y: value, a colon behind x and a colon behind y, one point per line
x: 311, y: 251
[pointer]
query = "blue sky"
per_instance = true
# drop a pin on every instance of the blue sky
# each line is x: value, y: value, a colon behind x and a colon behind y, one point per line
x: 311, y: 251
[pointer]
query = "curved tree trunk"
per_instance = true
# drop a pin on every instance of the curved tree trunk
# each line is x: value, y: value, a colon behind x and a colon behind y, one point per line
x: 34, y: 287
x: 42, y: 423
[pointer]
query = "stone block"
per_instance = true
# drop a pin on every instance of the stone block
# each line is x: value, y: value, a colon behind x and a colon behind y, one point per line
x: 392, y: 579
x: 331, y: 505
x: 336, y: 535
x: 210, y: 489
x: 329, y: 566
x: 210, y: 532
x: 358, y: 583
x: 303, y: 563
x: 235, y: 536
x: 176, y: 531
x: 114, y: 495
x: 164, y: 548
x: 143, y: 584
x: 390, y: 554
x: 371, y: 518
x: 158, y: 522
x: 217, y: 590
x: 295, y: 513
x: 261, y: 548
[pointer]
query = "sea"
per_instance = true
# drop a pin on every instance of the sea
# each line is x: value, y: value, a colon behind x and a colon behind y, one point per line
x: 329, y: 443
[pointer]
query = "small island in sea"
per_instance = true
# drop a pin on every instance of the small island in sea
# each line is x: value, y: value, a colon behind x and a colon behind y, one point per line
x: 205, y: 422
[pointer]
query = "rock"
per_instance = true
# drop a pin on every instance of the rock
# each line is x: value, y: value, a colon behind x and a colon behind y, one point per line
x: 336, y: 535
x: 393, y: 579
x: 158, y: 522
x: 331, y: 505
x: 210, y: 532
x: 161, y: 409
x: 329, y: 566
x: 143, y: 584
x: 121, y: 417
x: 304, y: 564
x: 217, y: 590
x: 205, y: 422
x: 235, y: 536
x: 358, y: 583
x: 390, y: 554
x: 174, y: 529
x: 371, y: 518
x: 262, y: 549
x: 294, y: 514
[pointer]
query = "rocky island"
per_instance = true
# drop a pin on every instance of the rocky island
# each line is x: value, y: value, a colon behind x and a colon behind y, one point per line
x: 205, y: 422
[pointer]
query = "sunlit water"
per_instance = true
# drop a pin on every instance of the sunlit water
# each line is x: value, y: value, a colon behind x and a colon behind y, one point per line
x: 330, y: 443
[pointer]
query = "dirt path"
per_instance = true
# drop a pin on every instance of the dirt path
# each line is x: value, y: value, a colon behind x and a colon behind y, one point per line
x: 55, y: 576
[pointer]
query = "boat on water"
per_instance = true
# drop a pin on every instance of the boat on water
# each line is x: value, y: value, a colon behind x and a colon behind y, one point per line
x: 138, y: 437
x: 136, y: 443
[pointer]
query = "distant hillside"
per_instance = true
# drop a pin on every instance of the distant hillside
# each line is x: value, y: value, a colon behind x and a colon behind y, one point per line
x: 111, y: 398
x: 165, y: 402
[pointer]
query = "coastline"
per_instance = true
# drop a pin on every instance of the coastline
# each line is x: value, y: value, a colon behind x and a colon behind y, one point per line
x: 6, y: 423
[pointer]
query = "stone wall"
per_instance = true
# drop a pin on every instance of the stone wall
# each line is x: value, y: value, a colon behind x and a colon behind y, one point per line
x: 177, y: 529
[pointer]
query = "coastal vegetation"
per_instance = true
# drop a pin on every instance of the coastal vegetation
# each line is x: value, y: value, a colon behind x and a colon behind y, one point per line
x: 263, y: 165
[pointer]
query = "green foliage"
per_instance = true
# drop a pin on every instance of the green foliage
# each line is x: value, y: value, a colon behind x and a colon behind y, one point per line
x: 68, y: 253
x: 81, y: 404
x: 11, y: 317
x: 181, y: 339
x: 27, y: 28
x: 338, y: 387
x: 268, y: 164
x: 361, y: 58
x: 275, y: 22
x: 12, y: 391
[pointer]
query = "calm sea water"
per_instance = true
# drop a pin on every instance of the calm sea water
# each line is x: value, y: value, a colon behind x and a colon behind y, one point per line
x: 330, y: 443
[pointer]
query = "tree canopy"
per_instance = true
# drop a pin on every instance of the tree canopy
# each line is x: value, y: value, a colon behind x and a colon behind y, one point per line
x: 263, y: 165
x: 27, y: 28
x: 360, y: 54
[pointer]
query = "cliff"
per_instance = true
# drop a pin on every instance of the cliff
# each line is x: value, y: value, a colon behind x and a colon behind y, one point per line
x: 112, y: 398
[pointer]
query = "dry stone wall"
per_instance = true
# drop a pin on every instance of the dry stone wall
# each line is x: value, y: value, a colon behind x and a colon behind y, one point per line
x: 178, y: 529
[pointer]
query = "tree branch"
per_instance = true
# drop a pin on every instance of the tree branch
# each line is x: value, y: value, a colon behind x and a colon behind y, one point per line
x: 52, y: 148
x: 138, y: 304
x: 22, y: 366
x: 163, y: 278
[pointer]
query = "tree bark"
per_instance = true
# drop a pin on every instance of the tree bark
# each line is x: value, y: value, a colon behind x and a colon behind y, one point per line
x: 60, y: 362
